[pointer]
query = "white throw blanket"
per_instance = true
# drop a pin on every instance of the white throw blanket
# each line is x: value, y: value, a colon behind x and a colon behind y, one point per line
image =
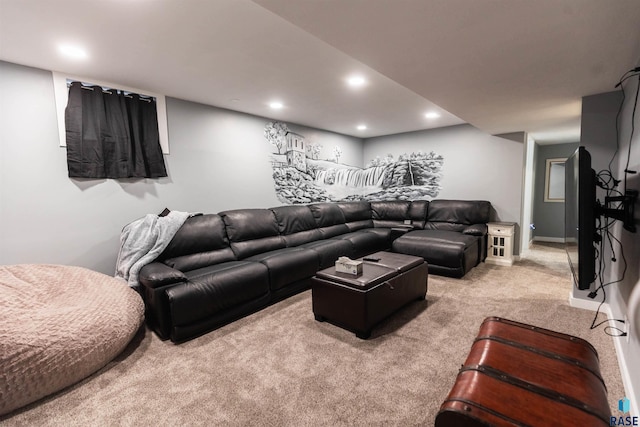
x: 143, y: 240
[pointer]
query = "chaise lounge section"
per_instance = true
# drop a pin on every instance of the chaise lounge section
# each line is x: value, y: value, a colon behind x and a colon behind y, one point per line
x: 220, y: 267
x: 453, y: 240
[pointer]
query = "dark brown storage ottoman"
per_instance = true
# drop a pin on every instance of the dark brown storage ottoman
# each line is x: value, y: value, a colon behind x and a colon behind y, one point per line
x: 358, y: 303
x: 520, y: 375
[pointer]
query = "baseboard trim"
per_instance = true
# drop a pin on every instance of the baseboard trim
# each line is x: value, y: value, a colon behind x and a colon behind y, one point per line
x: 624, y: 372
x: 499, y: 261
x: 622, y: 362
x: 585, y: 304
x: 548, y: 239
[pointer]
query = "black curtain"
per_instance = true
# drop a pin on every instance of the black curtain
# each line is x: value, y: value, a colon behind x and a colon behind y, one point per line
x: 112, y: 135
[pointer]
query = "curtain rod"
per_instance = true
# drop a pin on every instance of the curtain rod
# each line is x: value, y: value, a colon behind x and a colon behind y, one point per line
x: 90, y: 88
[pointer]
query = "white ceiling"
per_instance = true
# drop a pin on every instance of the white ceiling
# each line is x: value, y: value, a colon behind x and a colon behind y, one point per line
x: 501, y: 65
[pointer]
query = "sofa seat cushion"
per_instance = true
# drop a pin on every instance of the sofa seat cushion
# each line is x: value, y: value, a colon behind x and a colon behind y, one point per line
x: 457, y: 253
x: 214, y: 289
x: 392, y: 233
x: 288, y: 265
x: 200, y: 259
x: 364, y: 242
x: 330, y: 250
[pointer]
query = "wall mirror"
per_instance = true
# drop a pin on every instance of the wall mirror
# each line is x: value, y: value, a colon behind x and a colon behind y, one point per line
x: 554, y: 180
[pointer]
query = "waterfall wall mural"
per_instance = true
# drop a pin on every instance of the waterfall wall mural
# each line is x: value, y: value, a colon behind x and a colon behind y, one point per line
x: 301, y: 176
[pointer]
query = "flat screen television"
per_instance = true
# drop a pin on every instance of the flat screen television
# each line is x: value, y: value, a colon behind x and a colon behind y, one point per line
x: 580, y: 217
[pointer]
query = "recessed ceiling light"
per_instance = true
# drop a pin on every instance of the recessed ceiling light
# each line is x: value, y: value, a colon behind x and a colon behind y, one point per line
x: 361, y: 127
x: 71, y: 51
x: 432, y: 115
x: 276, y: 105
x: 356, y: 81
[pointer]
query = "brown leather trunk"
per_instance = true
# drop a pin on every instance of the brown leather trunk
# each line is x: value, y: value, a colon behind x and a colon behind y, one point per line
x: 520, y: 375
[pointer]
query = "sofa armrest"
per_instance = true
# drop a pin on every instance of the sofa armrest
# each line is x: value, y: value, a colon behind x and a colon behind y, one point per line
x: 479, y: 230
x: 155, y: 279
x: 476, y: 230
x: 400, y: 231
x: 157, y: 274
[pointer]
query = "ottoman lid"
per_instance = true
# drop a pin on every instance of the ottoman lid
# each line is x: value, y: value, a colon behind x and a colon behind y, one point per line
x: 396, y: 261
x: 372, y: 275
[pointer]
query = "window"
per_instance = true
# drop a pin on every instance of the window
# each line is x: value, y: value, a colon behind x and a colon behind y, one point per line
x: 554, y: 180
x: 112, y: 134
x: 110, y: 131
x: 62, y: 97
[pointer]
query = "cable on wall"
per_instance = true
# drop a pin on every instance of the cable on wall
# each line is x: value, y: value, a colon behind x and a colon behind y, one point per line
x: 609, y: 183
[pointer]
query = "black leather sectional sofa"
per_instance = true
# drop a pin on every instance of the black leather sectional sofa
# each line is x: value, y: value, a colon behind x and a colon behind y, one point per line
x: 219, y: 267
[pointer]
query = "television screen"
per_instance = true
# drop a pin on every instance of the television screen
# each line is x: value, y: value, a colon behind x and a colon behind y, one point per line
x: 580, y: 217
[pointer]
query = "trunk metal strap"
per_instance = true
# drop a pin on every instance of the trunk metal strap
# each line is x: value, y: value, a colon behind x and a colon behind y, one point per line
x: 550, y: 394
x: 544, y: 353
x: 544, y: 331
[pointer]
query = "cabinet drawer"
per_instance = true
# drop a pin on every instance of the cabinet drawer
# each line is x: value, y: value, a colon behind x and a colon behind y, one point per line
x: 500, y: 231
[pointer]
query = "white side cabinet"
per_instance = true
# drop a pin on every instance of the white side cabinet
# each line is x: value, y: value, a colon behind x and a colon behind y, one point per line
x: 500, y: 243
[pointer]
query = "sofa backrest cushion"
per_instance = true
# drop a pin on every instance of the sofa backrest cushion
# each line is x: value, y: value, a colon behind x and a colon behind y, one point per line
x: 296, y: 224
x: 418, y: 212
x: 455, y: 215
x: 201, y: 241
x: 391, y: 213
x: 357, y: 214
x: 252, y: 231
x: 329, y: 219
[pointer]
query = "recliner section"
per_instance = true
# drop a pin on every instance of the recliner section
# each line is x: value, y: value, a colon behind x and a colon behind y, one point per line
x: 299, y: 228
x: 358, y: 220
x: 211, y: 290
x: 453, y: 237
x: 219, y: 267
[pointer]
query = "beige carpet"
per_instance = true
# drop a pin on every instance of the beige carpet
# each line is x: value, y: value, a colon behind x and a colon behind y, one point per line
x: 280, y: 367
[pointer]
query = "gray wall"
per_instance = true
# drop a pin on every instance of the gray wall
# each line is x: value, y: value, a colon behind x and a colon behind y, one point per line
x: 618, y: 294
x: 599, y: 137
x: 548, y: 217
x: 477, y: 166
x: 218, y: 160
